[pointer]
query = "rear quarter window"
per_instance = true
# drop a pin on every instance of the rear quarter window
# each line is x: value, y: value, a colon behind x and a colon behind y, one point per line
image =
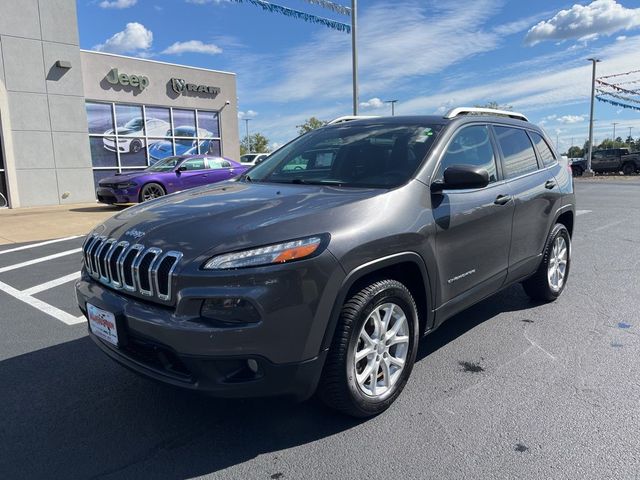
x: 546, y: 155
x: 518, y: 154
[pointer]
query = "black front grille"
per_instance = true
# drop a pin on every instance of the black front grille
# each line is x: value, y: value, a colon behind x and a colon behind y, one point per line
x: 158, y: 357
x: 134, y: 268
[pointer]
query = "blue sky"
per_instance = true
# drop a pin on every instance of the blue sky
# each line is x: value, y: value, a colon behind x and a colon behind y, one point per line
x: 429, y: 55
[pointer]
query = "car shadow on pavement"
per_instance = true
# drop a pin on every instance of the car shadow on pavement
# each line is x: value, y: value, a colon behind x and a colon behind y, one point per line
x: 512, y: 299
x: 67, y: 411
x: 99, y: 208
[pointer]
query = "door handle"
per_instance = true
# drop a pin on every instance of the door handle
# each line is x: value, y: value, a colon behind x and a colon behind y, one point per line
x: 550, y: 184
x: 502, y: 199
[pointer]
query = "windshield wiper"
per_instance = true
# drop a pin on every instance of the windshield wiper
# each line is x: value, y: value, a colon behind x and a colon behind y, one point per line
x: 302, y: 181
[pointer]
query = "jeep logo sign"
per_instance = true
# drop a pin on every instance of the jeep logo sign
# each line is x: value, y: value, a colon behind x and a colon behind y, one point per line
x: 181, y: 86
x: 136, y: 81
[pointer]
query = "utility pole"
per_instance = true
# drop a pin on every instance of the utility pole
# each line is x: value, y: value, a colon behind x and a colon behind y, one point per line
x: 614, y: 130
x: 354, y: 53
x: 593, y: 61
x: 393, y: 106
x: 630, y: 131
x: 246, y: 121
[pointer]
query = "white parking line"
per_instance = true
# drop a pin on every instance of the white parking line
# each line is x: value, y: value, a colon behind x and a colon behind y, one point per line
x: 51, y: 284
x: 34, y: 245
x: 39, y: 260
x: 42, y: 306
x: 582, y: 212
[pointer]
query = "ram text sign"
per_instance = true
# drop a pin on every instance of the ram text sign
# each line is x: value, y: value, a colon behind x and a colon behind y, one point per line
x: 181, y: 87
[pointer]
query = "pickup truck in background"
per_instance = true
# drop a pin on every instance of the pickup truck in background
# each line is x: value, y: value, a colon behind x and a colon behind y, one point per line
x: 609, y: 161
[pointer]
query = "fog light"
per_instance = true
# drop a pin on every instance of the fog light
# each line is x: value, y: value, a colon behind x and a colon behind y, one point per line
x: 253, y: 365
x: 231, y: 310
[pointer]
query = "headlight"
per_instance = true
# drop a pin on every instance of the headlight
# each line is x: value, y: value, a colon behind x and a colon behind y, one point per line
x: 120, y: 186
x: 269, y: 255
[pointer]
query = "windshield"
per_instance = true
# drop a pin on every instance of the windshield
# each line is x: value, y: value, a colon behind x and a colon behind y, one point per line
x: 134, y: 124
x: 165, y: 165
x: 248, y: 157
x: 351, y: 155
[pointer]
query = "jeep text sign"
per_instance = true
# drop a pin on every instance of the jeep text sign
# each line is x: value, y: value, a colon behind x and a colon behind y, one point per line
x: 181, y: 86
x: 136, y: 81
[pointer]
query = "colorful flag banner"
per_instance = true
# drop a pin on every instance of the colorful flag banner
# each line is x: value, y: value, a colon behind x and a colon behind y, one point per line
x: 290, y: 12
x: 617, y: 95
x: 617, y: 104
x: 331, y: 6
x: 621, y: 74
x: 616, y: 87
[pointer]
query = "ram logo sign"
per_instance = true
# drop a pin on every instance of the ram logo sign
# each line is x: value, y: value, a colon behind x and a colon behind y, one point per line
x: 181, y: 86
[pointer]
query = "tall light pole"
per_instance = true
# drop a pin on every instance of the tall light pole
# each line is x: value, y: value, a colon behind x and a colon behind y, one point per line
x: 246, y: 121
x: 630, y: 131
x: 354, y: 53
x: 593, y: 96
x: 614, y: 130
x: 393, y: 106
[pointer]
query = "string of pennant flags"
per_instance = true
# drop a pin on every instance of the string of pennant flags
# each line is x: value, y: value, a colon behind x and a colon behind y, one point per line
x: 307, y: 17
x: 611, y: 92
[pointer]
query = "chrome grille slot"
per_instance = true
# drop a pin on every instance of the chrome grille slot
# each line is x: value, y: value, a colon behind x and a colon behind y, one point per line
x: 142, y: 268
x: 163, y: 273
x: 134, y: 268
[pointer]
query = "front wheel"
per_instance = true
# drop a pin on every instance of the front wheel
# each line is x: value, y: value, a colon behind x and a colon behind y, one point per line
x: 628, y: 169
x: 373, y: 350
x: 577, y: 171
x: 551, y: 277
x: 151, y: 191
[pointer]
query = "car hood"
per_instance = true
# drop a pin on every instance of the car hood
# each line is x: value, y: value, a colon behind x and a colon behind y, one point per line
x: 123, y: 177
x: 162, y: 146
x: 236, y: 215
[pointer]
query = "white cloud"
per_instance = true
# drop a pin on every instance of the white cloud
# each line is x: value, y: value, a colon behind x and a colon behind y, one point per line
x: 118, y: 3
x: 247, y: 114
x: 621, y: 38
x: 203, y: 2
x: 395, y: 47
x: 585, y: 22
x: 571, y: 118
x: 372, y: 103
x: 192, y: 46
x: 135, y: 38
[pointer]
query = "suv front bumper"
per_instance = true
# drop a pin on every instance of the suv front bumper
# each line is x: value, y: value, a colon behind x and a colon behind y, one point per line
x: 279, y: 355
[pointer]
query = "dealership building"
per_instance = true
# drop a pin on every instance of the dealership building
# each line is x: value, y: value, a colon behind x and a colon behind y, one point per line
x: 69, y: 117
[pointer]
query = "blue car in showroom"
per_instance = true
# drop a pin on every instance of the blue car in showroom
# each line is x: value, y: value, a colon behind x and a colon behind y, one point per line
x: 184, y: 146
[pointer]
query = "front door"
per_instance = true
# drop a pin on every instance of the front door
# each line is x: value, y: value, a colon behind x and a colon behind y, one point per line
x: 192, y: 173
x: 473, y: 226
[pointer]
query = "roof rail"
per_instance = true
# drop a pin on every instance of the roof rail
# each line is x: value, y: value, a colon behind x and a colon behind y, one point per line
x: 348, y: 118
x: 454, y: 112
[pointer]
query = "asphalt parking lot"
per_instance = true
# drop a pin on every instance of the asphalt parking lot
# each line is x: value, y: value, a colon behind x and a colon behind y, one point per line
x: 507, y: 389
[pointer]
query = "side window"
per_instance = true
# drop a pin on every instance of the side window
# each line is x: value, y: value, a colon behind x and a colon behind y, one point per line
x: 217, y: 163
x: 519, y: 156
x: 194, y: 164
x: 543, y: 149
x: 470, y: 146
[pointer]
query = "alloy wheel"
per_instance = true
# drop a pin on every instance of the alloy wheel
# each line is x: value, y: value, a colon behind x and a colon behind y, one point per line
x: 150, y: 192
x: 381, y: 351
x: 557, y: 269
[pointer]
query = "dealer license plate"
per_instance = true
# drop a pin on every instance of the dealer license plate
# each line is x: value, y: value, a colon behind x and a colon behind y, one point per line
x: 103, y: 324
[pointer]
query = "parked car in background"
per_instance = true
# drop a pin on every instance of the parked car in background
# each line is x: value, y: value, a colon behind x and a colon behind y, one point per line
x: 615, y: 160
x: 323, y: 278
x: 131, y: 135
x: 253, y: 158
x: 578, y: 166
x: 169, y: 175
x: 188, y: 145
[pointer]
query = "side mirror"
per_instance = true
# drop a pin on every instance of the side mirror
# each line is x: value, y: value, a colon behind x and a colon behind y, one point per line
x: 459, y: 177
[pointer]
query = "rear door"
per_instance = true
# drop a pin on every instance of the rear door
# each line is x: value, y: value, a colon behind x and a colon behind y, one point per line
x: 473, y: 226
x: 535, y: 191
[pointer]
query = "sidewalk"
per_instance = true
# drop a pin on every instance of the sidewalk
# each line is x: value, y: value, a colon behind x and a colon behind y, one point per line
x: 43, y: 223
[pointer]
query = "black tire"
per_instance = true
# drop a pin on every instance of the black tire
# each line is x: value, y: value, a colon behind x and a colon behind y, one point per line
x: 538, y: 286
x: 135, y: 146
x: 151, y: 191
x: 577, y: 171
x: 628, y: 169
x: 338, y: 386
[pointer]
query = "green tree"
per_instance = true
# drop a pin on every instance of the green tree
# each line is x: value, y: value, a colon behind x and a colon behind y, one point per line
x: 575, y: 152
x: 495, y: 105
x: 258, y: 143
x: 310, y: 124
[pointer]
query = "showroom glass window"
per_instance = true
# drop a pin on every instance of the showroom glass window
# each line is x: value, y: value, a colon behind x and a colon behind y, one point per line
x: 125, y: 137
x: 3, y: 184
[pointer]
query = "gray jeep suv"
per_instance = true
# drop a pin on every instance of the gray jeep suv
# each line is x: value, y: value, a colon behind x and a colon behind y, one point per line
x: 320, y: 268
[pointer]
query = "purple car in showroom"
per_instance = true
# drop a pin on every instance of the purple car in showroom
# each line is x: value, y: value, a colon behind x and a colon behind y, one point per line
x: 169, y: 175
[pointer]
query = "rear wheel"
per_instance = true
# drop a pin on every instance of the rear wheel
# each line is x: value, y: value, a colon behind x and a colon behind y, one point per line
x: 135, y: 146
x: 628, y: 169
x: 577, y: 171
x: 373, y: 350
x: 551, y: 277
x: 151, y: 191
